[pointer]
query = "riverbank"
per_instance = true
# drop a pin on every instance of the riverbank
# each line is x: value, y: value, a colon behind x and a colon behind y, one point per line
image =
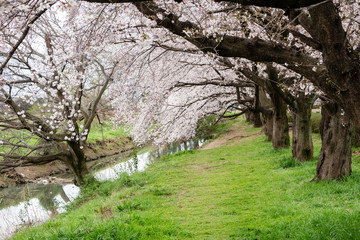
x: 58, y: 172
x: 238, y: 190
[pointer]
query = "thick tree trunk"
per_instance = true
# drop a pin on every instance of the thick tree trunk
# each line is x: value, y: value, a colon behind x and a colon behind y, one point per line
x: 254, y: 118
x: 77, y: 162
x: 302, y: 146
x: 342, y: 63
x: 335, y: 156
x: 280, y: 136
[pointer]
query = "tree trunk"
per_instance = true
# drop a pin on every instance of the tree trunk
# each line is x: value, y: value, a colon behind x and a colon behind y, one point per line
x: 280, y: 136
x: 267, y: 113
x: 342, y: 63
x: 77, y: 162
x: 302, y: 145
x: 254, y: 118
x: 268, y: 125
x: 335, y: 156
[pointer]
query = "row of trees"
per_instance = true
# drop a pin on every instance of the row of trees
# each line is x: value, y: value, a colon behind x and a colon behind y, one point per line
x: 173, y: 62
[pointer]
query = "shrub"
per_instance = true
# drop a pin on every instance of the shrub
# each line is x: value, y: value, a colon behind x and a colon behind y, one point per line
x: 315, y: 122
x: 287, y: 162
x: 206, y: 127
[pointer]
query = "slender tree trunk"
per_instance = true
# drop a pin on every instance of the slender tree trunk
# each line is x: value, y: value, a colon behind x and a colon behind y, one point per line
x: 280, y: 136
x: 77, y: 162
x: 268, y: 125
x: 335, y: 156
x: 267, y: 113
x: 302, y: 145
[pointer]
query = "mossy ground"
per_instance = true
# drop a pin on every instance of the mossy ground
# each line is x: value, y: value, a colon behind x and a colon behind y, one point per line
x: 245, y: 191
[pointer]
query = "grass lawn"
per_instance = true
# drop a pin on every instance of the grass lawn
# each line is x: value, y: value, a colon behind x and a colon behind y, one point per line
x: 245, y: 191
x: 107, y: 130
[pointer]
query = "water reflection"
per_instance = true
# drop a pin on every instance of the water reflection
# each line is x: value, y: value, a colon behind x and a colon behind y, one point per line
x: 34, y: 204
x: 141, y: 162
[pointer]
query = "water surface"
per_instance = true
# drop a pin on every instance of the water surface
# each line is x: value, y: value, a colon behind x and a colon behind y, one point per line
x: 34, y: 204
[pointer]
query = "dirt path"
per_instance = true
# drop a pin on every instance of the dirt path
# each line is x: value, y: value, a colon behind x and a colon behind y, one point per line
x: 235, y: 135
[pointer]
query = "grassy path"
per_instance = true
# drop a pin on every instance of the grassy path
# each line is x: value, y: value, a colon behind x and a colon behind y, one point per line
x: 245, y: 191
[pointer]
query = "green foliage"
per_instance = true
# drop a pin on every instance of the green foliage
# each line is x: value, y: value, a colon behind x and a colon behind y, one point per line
x: 160, y: 191
x: 192, y: 151
x: 130, y: 206
x: 287, y: 162
x: 207, y: 129
x: 315, y: 122
x: 206, y: 126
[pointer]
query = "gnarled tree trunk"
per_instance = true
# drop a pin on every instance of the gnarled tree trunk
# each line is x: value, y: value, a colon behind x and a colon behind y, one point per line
x: 77, y: 162
x: 254, y: 118
x: 335, y: 156
x: 280, y: 136
x: 302, y: 145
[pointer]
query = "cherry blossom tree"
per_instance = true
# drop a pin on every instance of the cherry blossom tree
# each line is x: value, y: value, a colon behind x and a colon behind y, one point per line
x: 63, y: 70
x: 164, y: 103
x: 312, y: 42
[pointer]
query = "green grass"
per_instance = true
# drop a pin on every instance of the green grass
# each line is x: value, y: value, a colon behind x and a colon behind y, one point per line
x: 17, y: 137
x: 226, y: 126
x: 107, y: 130
x: 98, y: 132
x: 247, y: 191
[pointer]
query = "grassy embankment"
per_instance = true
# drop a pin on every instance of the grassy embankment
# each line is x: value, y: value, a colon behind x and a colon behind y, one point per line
x: 244, y: 191
x: 99, y: 137
x: 106, y: 131
x: 106, y: 139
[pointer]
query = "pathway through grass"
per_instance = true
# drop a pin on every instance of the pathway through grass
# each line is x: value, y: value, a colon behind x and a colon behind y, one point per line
x: 245, y: 191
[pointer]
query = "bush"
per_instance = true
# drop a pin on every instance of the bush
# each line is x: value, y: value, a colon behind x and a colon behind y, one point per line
x: 206, y: 127
x: 129, y: 206
x: 315, y: 122
x: 287, y: 162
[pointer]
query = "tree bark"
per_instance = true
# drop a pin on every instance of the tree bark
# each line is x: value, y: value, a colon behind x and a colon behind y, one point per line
x: 254, y: 118
x: 302, y: 145
x: 342, y: 62
x: 266, y: 113
x: 280, y: 136
x: 21, y: 161
x: 77, y: 162
x: 335, y: 156
x: 268, y: 125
